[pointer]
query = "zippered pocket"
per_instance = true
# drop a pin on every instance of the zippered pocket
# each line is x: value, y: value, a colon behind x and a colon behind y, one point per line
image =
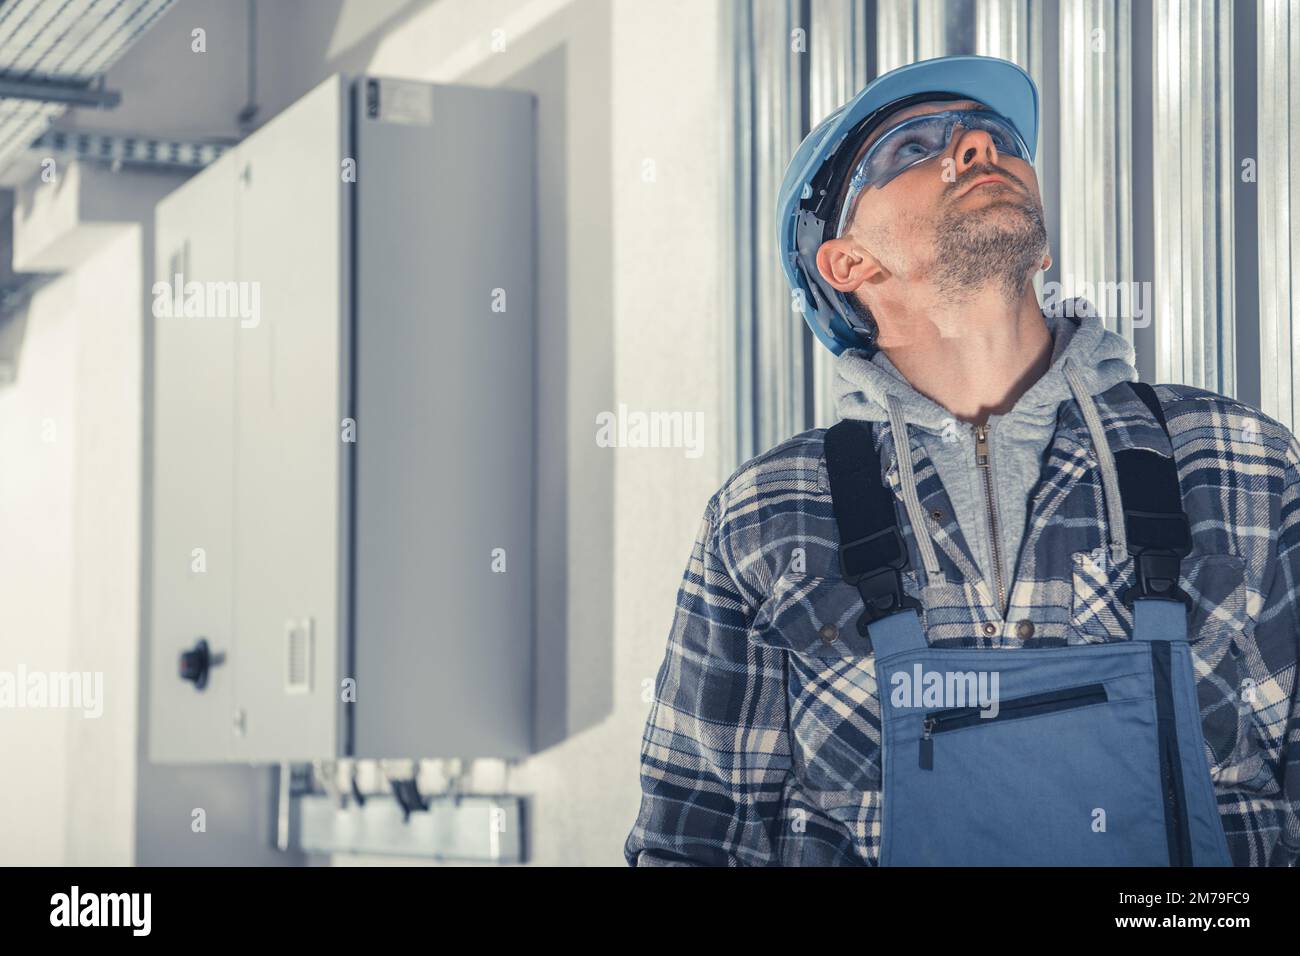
x: 1031, y: 705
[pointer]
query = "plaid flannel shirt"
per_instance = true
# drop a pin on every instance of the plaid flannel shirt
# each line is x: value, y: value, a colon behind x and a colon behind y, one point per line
x: 760, y: 749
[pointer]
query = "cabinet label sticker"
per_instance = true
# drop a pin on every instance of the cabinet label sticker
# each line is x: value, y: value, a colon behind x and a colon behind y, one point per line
x: 394, y: 101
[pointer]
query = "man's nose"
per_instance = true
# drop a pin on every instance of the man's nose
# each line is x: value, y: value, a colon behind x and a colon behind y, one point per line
x: 974, y: 147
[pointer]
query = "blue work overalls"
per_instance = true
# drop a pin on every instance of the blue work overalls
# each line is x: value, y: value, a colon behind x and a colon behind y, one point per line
x: 1088, y: 755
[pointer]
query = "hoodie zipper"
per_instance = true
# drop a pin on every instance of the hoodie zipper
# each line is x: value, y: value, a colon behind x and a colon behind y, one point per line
x: 982, y: 462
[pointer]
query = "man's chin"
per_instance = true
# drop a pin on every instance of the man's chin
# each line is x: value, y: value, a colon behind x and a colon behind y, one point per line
x: 1001, y: 241
x: 997, y: 222
x: 1007, y: 214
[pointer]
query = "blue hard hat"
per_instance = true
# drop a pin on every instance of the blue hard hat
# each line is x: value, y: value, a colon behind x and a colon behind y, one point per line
x: 804, y: 214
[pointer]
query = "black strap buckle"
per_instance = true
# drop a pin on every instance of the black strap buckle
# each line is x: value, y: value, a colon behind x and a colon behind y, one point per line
x: 874, y: 565
x: 1165, y: 540
x: 1157, y: 577
x: 882, y: 595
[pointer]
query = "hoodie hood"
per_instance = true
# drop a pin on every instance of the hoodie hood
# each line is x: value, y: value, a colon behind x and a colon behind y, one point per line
x: 1099, y: 358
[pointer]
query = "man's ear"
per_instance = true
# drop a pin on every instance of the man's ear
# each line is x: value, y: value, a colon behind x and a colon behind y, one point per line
x: 845, y: 265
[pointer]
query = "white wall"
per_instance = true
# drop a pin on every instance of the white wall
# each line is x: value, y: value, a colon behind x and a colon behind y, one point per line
x: 667, y: 268
x: 107, y: 296
x: 629, y: 314
x: 72, y: 519
x: 69, y: 553
x: 642, y: 288
x: 37, y: 491
x: 628, y: 311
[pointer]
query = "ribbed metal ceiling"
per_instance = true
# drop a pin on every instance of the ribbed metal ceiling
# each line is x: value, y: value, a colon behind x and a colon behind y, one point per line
x: 69, y: 42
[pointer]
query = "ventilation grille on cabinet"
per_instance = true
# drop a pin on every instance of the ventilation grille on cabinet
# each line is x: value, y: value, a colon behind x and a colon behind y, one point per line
x: 298, y: 656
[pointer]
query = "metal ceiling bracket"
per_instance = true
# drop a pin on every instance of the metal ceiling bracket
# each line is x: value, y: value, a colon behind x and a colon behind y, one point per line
x: 69, y: 94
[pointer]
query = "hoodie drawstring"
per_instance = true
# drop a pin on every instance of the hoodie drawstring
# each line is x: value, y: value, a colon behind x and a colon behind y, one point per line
x: 1117, y: 539
x: 1109, y: 476
x: 911, y: 500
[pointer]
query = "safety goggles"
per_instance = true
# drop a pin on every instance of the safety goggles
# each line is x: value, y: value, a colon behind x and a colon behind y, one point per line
x: 921, y: 138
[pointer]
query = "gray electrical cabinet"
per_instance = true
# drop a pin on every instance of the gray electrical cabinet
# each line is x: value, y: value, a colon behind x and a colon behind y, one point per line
x: 342, y: 434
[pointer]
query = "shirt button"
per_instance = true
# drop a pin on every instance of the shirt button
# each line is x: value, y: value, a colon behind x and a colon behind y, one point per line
x: 1025, y: 630
x: 937, y: 514
x: 829, y: 632
x: 990, y: 629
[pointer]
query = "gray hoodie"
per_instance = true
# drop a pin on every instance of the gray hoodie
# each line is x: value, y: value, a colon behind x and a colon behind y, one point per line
x: 1016, y: 440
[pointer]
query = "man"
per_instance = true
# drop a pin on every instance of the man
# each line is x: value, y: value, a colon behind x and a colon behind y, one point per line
x: 1016, y: 607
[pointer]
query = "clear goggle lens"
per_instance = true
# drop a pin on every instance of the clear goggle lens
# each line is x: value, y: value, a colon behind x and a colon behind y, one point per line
x: 922, y: 138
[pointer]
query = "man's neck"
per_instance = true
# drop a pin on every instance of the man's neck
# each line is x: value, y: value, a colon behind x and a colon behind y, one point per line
x: 975, y: 359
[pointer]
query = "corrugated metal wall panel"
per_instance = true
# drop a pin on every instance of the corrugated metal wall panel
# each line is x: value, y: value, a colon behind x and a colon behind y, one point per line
x: 1096, y: 254
x: 770, y: 374
x: 1193, y: 184
x: 1279, y: 207
x: 1082, y: 55
x: 839, y: 66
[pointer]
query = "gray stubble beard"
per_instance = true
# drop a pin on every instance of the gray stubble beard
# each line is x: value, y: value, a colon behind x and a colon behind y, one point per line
x: 971, y: 251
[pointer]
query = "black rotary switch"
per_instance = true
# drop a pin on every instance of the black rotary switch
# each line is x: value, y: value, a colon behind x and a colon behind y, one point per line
x: 196, y: 663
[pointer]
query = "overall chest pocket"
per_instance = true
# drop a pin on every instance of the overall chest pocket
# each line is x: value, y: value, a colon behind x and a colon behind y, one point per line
x: 1219, y: 627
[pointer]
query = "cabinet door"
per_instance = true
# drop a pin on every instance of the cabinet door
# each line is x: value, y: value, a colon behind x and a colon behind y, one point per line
x: 193, y: 548
x: 445, y: 398
x: 289, y: 348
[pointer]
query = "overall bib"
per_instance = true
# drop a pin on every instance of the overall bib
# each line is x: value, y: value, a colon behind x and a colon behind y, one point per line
x: 1086, y: 755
